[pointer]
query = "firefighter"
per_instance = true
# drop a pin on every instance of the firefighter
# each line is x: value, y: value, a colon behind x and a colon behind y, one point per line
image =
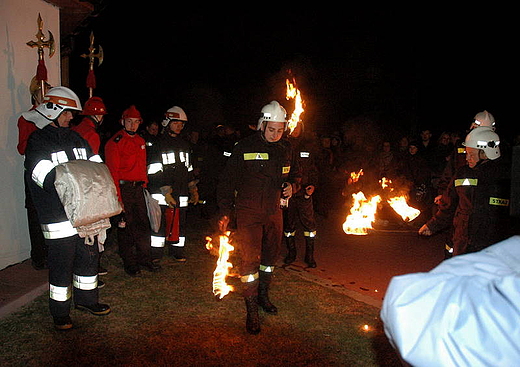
x: 300, y: 207
x: 172, y: 182
x: 125, y: 156
x: 72, y: 263
x: 259, y: 173
x: 94, y: 111
x: 477, y: 199
x: 25, y: 128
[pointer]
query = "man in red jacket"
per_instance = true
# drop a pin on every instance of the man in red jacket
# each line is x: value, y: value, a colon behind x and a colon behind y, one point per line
x: 125, y: 155
x: 25, y: 129
x: 93, y: 111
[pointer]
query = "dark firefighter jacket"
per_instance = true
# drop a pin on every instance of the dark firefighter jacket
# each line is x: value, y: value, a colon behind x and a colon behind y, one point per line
x: 478, y: 205
x: 170, y: 164
x: 305, y: 154
x: 47, y: 148
x: 256, y: 171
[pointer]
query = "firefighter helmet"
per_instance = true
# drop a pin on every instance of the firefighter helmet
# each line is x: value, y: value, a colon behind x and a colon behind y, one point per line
x: 174, y: 114
x: 486, y: 139
x: 94, y: 106
x: 272, y: 112
x: 131, y: 112
x: 57, y: 100
x: 484, y: 118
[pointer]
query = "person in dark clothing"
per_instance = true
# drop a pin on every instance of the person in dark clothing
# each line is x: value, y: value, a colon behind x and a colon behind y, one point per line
x: 260, y: 172
x: 73, y: 264
x: 301, y: 208
x: 172, y: 182
x: 477, y: 199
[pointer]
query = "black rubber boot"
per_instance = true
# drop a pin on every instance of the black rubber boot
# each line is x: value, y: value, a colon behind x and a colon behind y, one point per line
x: 263, y: 293
x: 309, y: 252
x: 291, y: 250
x: 253, y: 319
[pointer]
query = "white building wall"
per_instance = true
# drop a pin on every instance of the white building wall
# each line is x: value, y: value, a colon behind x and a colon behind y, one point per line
x: 18, y: 25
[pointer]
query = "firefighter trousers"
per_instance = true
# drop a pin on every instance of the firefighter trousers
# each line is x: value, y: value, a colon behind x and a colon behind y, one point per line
x: 299, y: 210
x: 73, y: 268
x: 260, y: 238
x: 134, y: 239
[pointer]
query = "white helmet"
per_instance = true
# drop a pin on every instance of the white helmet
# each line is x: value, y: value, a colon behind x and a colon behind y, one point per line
x: 174, y: 114
x: 272, y: 112
x: 486, y: 139
x: 57, y: 100
x: 484, y: 118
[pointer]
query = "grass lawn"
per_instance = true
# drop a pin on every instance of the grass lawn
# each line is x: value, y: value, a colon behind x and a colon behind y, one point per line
x: 171, y: 318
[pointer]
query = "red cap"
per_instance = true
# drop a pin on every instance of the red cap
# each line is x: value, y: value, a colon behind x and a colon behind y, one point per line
x: 132, y: 112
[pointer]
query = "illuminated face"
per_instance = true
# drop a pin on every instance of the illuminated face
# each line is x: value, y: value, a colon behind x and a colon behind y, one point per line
x: 473, y: 155
x: 176, y: 126
x: 64, y: 118
x: 132, y: 124
x: 274, y: 131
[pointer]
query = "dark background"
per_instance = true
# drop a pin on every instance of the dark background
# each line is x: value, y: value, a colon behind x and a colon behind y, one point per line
x: 383, y: 70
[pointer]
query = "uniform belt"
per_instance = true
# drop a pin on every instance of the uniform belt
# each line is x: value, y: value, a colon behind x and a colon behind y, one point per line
x: 132, y: 183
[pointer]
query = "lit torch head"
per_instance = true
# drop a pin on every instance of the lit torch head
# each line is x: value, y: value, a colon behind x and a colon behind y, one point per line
x: 294, y: 93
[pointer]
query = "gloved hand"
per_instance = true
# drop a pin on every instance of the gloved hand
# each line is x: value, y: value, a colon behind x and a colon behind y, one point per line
x: 170, y: 200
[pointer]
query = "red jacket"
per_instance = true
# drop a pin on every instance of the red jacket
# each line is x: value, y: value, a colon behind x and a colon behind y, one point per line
x: 25, y: 128
x: 125, y: 156
x: 87, y: 129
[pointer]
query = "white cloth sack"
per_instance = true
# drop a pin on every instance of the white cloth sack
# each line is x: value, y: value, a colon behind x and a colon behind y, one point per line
x: 154, y: 211
x: 89, y: 197
x: 465, y: 312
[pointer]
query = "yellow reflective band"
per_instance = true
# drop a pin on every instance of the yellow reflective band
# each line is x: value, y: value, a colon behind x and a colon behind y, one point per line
x: 286, y: 170
x: 60, y: 294
x: 498, y: 201
x: 289, y: 234
x: 466, y: 182
x: 309, y: 234
x: 461, y: 150
x: 448, y: 248
x: 85, y: 283
x: 266, y: 268
x: 256, y: 156
x: 249, y: 278
x: 305, y: 154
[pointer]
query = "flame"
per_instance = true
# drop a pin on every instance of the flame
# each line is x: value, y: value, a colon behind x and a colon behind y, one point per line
x: 220, y: 287
x: 385, y: 183
x: 354, y: 177
x: 400, y: 206
x: 362, y: 214
x: 294, y: 93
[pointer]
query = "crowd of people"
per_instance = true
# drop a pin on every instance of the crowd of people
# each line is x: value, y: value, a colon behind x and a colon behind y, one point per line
x: 265, y: 183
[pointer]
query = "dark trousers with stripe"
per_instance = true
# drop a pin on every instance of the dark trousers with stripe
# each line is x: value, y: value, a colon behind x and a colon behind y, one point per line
x: 68, y: 257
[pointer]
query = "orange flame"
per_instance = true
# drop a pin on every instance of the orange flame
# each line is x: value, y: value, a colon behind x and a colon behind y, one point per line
x: 363, y: 211
x: 294, y: 93
x: 401, y: 207
x: 362, y: 214
x: 354, y: 177
x: 220, y: 287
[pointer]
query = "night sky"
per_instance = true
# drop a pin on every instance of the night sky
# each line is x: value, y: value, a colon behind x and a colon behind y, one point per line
x: 402, y: 69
